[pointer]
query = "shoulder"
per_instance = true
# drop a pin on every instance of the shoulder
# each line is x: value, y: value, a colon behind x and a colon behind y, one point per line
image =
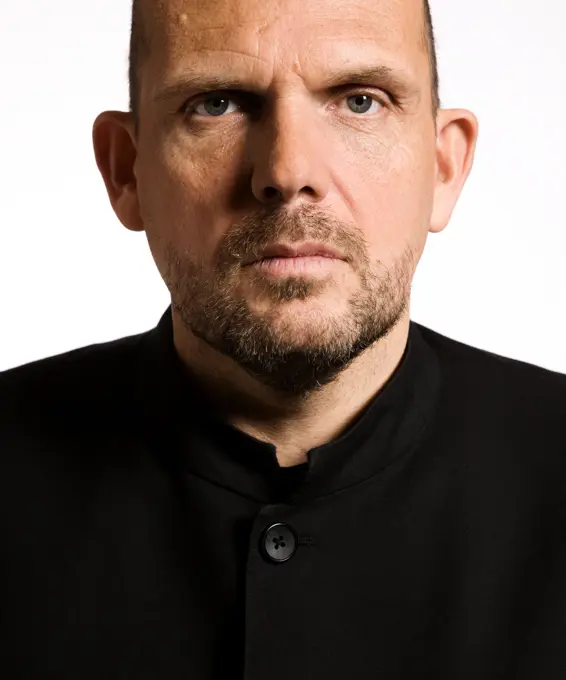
x: 485, y: 364
x: 62, y: 387
x: 507, y: 395
x: 68, y: 425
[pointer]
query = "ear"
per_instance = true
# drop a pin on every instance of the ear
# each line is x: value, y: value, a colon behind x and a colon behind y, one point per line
x: 457, y: 133
x: 115, y: 149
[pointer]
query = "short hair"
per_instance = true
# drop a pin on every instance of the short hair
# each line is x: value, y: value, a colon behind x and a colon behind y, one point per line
x: 140, y: 47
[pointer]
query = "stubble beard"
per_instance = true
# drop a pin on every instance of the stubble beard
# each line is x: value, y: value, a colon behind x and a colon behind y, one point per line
x: 266, y: 345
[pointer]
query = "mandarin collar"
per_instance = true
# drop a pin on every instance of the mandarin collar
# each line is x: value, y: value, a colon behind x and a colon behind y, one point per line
x: 184, y: 432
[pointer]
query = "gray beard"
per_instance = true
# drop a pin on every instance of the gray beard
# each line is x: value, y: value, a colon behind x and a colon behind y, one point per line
x: 209, y: 308
x: 209, y: 311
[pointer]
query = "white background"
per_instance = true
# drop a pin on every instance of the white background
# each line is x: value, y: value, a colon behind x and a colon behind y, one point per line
x: 71, y: 275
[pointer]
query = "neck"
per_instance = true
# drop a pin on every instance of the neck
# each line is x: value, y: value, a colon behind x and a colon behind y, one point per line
x: 294, y: 426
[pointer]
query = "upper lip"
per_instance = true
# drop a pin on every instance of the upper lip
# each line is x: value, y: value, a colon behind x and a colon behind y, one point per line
x: 296, y: 250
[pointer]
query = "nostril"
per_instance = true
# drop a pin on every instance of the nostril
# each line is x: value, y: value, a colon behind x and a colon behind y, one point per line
x: 270, y: 192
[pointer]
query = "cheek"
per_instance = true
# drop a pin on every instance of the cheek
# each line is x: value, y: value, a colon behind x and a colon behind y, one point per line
x: 202, y: 162
x: 175, y: 202
x: 397, y: 187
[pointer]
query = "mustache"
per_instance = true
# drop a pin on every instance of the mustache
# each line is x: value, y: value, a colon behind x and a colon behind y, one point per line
x: 251, y: 234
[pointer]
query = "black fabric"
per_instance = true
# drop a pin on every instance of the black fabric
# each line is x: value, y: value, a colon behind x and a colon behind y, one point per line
x: 142, y: 537
x: 175, y: 408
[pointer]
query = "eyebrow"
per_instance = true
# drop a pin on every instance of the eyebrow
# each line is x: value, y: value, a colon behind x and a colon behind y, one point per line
x: 401, y: 83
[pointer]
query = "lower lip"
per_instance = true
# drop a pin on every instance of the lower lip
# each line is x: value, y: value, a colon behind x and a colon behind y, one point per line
x: 296, y: 265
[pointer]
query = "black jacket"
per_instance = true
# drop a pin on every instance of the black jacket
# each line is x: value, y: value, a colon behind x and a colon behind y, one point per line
x: 143, y: 538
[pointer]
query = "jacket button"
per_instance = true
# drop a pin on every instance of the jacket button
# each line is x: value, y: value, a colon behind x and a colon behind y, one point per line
x: 279, y: 543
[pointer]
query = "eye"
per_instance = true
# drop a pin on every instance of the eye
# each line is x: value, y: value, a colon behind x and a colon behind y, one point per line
x: 214, y: 106
x: 361, y: 103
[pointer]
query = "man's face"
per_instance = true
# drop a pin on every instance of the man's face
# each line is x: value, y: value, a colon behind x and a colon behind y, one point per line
x: 293, y: 157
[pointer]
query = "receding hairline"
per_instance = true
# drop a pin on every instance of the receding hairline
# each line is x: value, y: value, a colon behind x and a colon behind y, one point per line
x: 140, y: 48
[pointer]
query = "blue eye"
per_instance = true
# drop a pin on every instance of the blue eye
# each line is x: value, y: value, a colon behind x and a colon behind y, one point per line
x: 217, y: 104
x: 359, y: 103
x: 214, y: 106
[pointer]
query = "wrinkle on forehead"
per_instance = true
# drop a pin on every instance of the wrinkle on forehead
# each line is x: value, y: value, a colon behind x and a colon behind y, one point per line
x: 206, y: 22
x: 278, y: 35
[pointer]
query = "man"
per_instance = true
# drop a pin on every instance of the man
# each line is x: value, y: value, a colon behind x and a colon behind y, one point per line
x: 286, y: 479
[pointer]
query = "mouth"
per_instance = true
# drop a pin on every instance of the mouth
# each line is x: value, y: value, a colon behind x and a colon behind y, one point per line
x: 313, y: 252
x: 287, y: 266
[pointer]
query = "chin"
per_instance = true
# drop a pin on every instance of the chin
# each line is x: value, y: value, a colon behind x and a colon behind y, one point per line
x: 304, y: 325
x: 313, y: 311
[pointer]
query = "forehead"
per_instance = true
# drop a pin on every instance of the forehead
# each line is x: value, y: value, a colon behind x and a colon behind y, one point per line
x: 271, y: 37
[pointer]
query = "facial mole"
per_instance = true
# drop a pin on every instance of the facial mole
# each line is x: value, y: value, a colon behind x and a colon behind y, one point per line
x: 183, y: 19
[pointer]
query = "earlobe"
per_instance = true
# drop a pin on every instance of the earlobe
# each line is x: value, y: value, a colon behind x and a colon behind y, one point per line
x: 455, y: 148
x: 115, y: 151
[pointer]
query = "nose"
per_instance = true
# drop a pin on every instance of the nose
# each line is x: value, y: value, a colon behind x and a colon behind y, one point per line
x: 289, y: 163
